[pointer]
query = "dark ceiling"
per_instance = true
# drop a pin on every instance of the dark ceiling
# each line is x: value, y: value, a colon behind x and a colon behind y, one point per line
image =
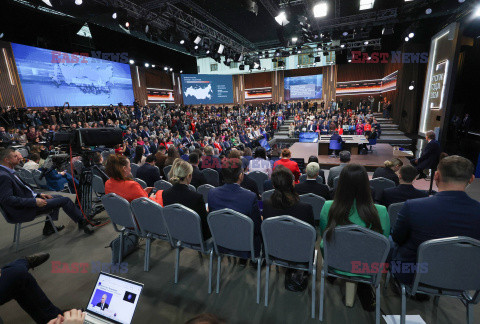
x: 234, y: 20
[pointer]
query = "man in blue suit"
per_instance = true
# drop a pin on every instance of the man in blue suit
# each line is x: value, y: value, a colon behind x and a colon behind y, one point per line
x: 405, y: 190
x: 21, y: 204
x: 429, y: 157
x: 451, y: 212
x: 232, y: 196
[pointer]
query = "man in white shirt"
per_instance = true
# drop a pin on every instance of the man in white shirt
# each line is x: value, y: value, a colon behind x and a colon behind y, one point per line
x: 33, y: 162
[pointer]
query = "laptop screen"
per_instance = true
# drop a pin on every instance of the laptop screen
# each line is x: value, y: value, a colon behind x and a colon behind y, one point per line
x: 114, y: 298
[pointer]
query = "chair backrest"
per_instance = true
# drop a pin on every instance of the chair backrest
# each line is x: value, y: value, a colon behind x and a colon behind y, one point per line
x: 162, y: 185
x: 78, y: 166
x: 8, y: 219
x: 212, y: 176
x: 192, y: 188
x: 335, y: 182
x: 119, y: 211
x: 141, y: 182
x: 23, y: 152
x: 183, y: 225
x: 335, y: 145
x: 267, y: 194
x: 40, y: 182
x: 134, y: 168
x: 353, y: 243
x: 393, y: 210
x: 259, y: 178
x: 379, y: 184
x: 303, y: 178
x: 288, y: 240
x: 315, y: 201
x: 149, y: 216
x: 106, y: 154
x: 203, y: 190
x: 26, y: 176
x: 231, y: 230
x: 449, y: 263
x: 97, y: 185
x: 166, y: 170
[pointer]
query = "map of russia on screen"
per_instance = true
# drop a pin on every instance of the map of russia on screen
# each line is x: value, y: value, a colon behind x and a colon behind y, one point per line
x: 207, y: 89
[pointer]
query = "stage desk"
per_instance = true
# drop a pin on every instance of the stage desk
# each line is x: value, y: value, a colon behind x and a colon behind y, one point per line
x: 351, y: 143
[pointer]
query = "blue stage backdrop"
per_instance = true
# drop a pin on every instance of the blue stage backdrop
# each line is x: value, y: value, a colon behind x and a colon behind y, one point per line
x: 308, y: 137
x: 207, y: 89
x: 50, y: 78
x: 303, y: 87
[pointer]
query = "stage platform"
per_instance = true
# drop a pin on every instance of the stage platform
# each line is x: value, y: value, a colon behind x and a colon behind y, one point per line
x: 371, y: 161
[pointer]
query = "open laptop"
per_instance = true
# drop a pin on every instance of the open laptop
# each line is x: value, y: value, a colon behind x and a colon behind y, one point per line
x: 113, y: 300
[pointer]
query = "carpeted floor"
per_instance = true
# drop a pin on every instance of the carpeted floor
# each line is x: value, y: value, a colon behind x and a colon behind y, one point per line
x: 164, y: 302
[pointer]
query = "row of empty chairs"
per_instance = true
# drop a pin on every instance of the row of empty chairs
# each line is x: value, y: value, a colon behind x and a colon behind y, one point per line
x: 290, y: 243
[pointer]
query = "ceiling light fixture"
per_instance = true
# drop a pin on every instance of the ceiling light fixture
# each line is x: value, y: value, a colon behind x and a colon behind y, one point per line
x: 320, y: 10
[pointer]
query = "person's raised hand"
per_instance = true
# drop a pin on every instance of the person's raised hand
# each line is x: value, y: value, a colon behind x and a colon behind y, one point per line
x: 40, y: 202
x: 74, y: 316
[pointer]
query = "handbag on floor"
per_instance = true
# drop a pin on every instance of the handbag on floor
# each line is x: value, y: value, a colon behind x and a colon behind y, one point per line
x: 130, y: 244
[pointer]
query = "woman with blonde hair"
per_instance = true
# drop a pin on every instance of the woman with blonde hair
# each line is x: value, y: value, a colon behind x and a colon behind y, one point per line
x: 180, y: 176
x: 389, y: 171
x: 121, y: 182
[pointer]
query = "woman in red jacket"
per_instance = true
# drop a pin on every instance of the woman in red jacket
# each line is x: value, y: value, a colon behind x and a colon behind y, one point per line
x: 289, y: 164
x: 121, y: 182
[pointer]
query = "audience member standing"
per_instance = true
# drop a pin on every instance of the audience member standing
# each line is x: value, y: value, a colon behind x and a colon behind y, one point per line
x: 430, y: 155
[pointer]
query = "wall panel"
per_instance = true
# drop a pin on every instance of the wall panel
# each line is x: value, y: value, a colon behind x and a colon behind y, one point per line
x: 11, y: 93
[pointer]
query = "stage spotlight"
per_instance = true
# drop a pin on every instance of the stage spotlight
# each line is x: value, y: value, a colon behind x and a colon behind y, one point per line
x: 477, y: 12
x: 197, y: 40
x: 1, y: 35
x: 461, y: 1
x: 165, y: 68
x: 387, y: 31
x: 181, y: 71
x: 127, y: 24
x: 320, y: 10
x: 411, y: 86
x: 182, y: 41
x: 407, y: 39
x: 342, y: 45
x: 114, y: 15
x: 281, y: 18
x: 171, y: 69
x: 47, y: 2
x: 147, y: 65
x: 345, y: 34
x: 411, y: 35
x: 428, y: 11
x: 365, y: 42
x: 369, y: 58
x: 294, y: 40
x: 196, y: 47
x: 207, y: 52
x: 153, y: 65
x: 131, y: 62
x: 78, y: 2
x: 220, y: 49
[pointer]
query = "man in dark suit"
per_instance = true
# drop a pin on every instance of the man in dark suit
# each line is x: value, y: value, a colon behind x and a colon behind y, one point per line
x: 451, y: 212
x: 429, y: 157
x: 21, y: 204
x: 405, y: 190
x: 232, y: 196
x: 198, y: 178
x: 335, y: 171
x: 154, y: 146
x: 311, y: 185
x: 148, y: 172
x: 102, y: 304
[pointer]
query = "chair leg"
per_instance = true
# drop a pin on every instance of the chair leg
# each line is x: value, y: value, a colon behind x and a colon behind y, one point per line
x: 17, y: 242
x: 259, y: 273
x: 219, y: 269
x: 53, y: 224
x: 404, y: 306
x: 267, y: 276
x: 350, y: 292
x: 435, y: 300
x: 146, y: 267
x: 210, y: 265
x: 314, y: 279
x: 322, y: 292
x: 177, y: 260
x: 377, y: 306
x: 15, y: 233
x: 120, y: 249
x: 469, y: 313
x: 387, y: 280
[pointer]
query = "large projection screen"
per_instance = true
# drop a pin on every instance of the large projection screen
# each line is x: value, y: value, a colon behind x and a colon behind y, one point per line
x: 50, y: 78
x: 303, y: 87
x: 207, y: 89
x: 439, y: 79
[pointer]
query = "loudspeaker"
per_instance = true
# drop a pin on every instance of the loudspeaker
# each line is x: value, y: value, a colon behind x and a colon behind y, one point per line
x: 107, y: 136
